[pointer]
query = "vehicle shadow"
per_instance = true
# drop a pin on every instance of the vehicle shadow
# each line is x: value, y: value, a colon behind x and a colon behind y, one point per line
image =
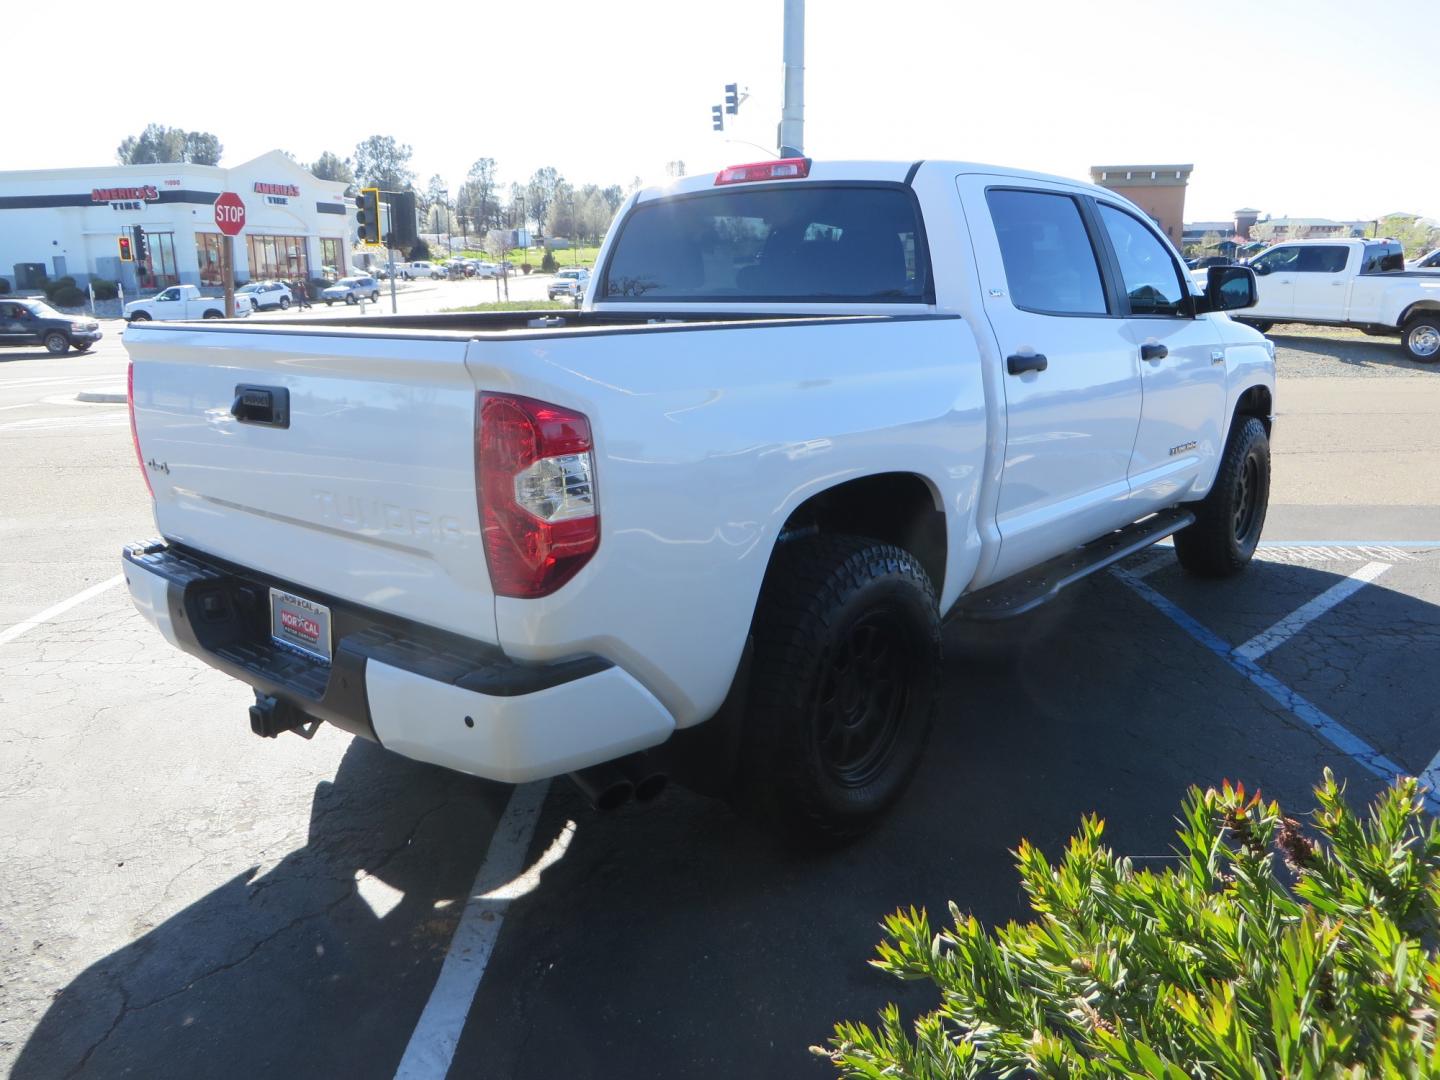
x: 317, y: 966
x: 1372, y: 352
x: 8, y: 355
x: 678, y: 939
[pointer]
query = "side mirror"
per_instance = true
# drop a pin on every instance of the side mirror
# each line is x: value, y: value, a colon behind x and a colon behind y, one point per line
x: 1228, y: 288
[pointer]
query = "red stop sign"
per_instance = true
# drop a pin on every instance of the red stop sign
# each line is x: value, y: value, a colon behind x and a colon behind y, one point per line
x: 229, y: 213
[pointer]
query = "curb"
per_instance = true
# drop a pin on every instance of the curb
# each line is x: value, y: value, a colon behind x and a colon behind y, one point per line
x: 102, y: 397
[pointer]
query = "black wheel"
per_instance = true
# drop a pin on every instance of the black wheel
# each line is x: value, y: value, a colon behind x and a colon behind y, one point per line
x: 842, y: 688
x: 140, y: 316
x: 1262, y: 325
x: 1228, y: 520
x: 374, y: 297
x: 329, y: 303
x: 213, y: 314
x: 56, y: 343
x: 284, y: 302
x: 1421, y: 337
x: 350, y: 298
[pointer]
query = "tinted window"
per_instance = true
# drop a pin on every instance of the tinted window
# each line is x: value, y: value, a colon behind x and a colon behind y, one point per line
x: 802, y: 242
x: 1322, y: 259
x: 1276, y: 260
x: 1382, y: 259
x: 1050, y: 264
x: 1147, y: 272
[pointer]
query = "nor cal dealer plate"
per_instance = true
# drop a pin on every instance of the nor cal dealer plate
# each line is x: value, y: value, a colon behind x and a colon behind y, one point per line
x: 300, y: 624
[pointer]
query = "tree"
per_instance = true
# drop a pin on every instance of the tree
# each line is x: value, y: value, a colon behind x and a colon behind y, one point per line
x: 160, y: 144
x: 614, y: 196
x: 1210, y: 242
x: 675, y: 168
x: 477, y: 195
x: 540, y: 194
x: 1416, y: 234
x: 1224, y: 963
x: 382, y: 162
x: 330, y: 166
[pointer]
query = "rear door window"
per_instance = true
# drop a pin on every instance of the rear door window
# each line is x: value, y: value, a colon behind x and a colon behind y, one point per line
x: 1382, y: 259
x: 1322, y: 259
x: 801, y: 242
x: 1050, y: 264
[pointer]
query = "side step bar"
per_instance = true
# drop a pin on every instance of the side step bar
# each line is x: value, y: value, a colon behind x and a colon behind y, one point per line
x: 1028, y: 590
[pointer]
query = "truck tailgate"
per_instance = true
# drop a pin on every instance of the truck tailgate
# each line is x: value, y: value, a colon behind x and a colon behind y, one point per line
x: 362, y: 489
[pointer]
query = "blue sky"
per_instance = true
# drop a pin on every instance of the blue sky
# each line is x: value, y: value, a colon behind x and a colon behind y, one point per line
x: 1314, y: 108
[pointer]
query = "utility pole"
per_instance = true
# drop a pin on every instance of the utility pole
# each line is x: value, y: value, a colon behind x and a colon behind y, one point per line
x: 792, y: 113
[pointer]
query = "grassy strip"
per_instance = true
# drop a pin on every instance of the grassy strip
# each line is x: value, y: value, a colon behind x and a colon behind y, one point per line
x: 513, y: 305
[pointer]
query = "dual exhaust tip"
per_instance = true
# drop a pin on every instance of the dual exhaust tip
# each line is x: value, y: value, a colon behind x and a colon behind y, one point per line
x: 612, y: 784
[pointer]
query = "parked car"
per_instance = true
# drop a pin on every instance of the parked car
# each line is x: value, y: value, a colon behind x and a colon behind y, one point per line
x: 457, y: 271
x: 420, y: 269
x: 34, y: 322
x: 184, y: 302
x: 707, y: 526
x: 488, y: 270
x: 267, y: 294
x: 351, y: 290
x: 1426, y: 262
x: 568, y: 283
x: 1359, y: 283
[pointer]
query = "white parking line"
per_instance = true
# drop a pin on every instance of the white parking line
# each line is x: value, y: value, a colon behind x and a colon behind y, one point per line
x: 1297, y: 620
x: 500, y: 880
x: 58, y: 609
x: 1305, y: 711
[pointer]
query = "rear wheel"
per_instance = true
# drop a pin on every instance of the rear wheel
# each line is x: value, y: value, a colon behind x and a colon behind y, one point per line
x: 350, y: 298
x: 213, y: 314
x: 1421, y: 337
x: 329, y: 303
x: 1228, y: 521
x: 375, y: 297
x: 843, y: 686
x: 284, y: 302
x: 56, y: 343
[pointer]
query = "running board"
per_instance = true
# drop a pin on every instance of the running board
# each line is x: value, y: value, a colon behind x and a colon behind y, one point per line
x: 1031, y: 588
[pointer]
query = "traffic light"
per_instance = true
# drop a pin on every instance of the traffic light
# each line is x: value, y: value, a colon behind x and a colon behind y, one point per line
x: 127, y: 253
x: 141, y: 244
x: 732, y: 98
x: 717, y: 118
x: 367, y: 215
x: 404, y: 224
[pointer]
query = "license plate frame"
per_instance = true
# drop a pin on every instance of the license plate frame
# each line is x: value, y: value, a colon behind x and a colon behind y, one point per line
x: 300, y: 624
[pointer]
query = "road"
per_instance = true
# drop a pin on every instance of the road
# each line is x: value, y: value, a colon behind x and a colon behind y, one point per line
x: 180, y: 898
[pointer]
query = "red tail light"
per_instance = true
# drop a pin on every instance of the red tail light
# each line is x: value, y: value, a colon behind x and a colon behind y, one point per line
x: 793, y: 168
x: 535, y: 485
x: 134, y: 434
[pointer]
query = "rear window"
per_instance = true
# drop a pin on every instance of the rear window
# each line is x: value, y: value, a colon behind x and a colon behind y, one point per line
x: 829, y: 243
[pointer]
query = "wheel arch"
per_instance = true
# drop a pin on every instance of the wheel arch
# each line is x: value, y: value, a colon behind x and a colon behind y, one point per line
x: 900, y: 508
x: 1417, y: 308
x: 1257, y: 401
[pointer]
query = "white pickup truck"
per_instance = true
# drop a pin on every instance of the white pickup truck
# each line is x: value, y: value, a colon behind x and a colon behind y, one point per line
x: 707, y: 526
x: 183, y: 302
x: 1359, y: 283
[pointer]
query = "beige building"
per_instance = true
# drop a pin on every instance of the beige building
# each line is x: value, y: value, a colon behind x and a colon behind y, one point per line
x: 1159, y: 190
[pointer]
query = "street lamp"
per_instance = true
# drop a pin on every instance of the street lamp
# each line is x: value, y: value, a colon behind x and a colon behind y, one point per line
x: 525, y: 258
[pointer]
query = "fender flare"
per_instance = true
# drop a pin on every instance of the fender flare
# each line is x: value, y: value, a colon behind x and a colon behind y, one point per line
x: 1415, y: 309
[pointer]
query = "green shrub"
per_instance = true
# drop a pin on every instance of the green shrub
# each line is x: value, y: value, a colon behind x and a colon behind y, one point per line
x: 53, y: 288
x: 1229, y: 964
x: 67, y: 296
x: 104, y: 289
x: 548, y: 265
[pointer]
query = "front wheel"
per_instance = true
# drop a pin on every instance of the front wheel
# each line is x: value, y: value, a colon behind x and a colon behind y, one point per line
x: 213, y: 314
x: 56, y: 343
x: 1421, y: 337
x: 1227, y: 525
x: 350, y: 298
x: 1258, y: 324
x: 374, y: 297
x: 843, y: 687
x: 329, y: 303
x: 140, y: 316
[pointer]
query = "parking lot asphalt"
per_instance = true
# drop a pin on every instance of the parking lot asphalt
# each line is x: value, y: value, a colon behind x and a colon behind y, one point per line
x: 179, y: 898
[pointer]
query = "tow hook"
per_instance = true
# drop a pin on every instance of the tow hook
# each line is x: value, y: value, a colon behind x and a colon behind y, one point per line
x: 269, y: 716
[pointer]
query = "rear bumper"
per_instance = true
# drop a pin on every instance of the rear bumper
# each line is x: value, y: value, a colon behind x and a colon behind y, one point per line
x: 424, y: 693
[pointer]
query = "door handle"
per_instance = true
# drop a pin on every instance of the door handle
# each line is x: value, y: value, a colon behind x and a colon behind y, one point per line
x: 1152, y: 351
x: 1018, y: 364
x: 268, y: 405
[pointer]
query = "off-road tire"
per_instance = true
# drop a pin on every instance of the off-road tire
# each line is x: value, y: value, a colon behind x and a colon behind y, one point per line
x: 846, y: 664
x: 1421, y: 337
x: 56, y: 343
x: 1228, y: 521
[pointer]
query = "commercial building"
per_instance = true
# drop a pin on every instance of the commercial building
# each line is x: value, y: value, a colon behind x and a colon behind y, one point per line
x: 59, y: 222
x: 1159, y: 190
